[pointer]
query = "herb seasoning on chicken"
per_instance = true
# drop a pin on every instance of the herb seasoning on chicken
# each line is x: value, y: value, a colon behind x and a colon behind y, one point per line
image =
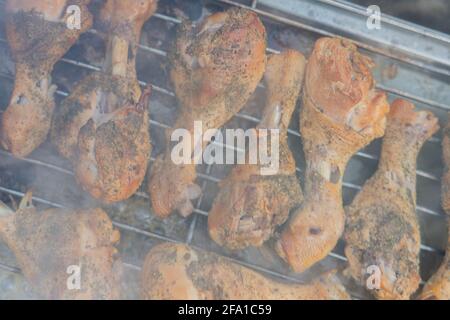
x: 38, y: 36
x: 103, y: 125
x: 382, y: 228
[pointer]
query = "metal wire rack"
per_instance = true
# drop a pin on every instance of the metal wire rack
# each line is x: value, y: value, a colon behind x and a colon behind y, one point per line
x: 207, y: 176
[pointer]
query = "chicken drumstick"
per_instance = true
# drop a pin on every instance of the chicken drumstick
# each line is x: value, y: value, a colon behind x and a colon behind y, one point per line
x: 46, y: 244
x: 250, y: 205
x: 216, y: 66
x: 38, y: 36
x: 177, y: 272
x: 103, y: 125
x: 341, y: 113
x: 381, y: 227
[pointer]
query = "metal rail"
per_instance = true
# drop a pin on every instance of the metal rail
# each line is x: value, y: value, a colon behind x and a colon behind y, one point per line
x: 396, y: 48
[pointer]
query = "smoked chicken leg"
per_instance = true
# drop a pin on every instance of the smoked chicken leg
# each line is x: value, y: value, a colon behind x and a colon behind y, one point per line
x: 251, y: 204
x: 216, y: 66
x: 177, y: 272
x: 382, y: 230
x: 38, y: 36
x: 438, y: 287
x: 341, y: 113
x: 47, y: 244
x: 103, y: 125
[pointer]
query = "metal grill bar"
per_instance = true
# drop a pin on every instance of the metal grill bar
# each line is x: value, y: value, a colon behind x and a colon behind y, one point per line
x: 9, y: 268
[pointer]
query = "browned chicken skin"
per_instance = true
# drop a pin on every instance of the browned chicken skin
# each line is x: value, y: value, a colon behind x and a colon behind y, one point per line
x: 175, y: 271
x: 47, y: 243
x: 38, y: 36
x: 250, y: 205
x: 341, y: 113
x: 103, y: 125
x: 113, y: 154
x: 216, y: 66
x: 438, y: 287
x: 381, y: 227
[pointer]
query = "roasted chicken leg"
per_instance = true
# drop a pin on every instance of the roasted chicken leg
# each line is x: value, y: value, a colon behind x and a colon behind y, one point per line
x: 251, y: 204
x: 48, y: 244
x: 381, y: 227
x: 103, y: 125
x: 216, y: 66
x: 341, y: 113
x: 438, y: 287
x: 38, y: 36
x: 177, y: 272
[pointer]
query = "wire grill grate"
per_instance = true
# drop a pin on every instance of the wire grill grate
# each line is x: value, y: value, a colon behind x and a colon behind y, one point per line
x: 208, y: 177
